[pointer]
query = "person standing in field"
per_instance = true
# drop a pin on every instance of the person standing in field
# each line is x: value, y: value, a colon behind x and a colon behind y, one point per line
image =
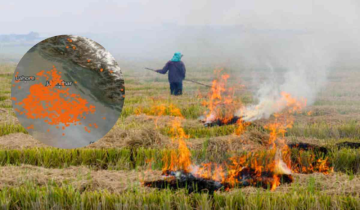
x: 176, y: 74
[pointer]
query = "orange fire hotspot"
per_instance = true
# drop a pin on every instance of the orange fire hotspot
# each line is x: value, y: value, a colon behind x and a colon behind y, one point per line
x: 53, y: 104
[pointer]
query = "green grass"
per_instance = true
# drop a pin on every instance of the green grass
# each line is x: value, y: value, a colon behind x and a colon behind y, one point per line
x: 147, y: 87
x: 203, y: 132
x: 116, y: 159
x: 347, y: 160
x: 3, y: 98
x: 6, y: 106
x: 6, y: 129
x: 127, y: 111
x: 5, y: 92
x: 214, y: 131
x: 192, y: 111
x: 323, y: 130
x: 52, y: 196
x: 344, y: 160
x: 94, y: 158
x: 59, y: 158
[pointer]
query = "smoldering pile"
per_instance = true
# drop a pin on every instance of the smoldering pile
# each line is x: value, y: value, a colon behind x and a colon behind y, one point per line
x: 243, y: 178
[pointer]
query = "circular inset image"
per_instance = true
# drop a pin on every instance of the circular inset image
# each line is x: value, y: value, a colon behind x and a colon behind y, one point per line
x: 68, y: 91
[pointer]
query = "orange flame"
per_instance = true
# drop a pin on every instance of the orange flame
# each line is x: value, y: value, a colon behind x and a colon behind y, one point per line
x: 222, y: 106
x: 180, y: 160
x: 159, y: 109
x: 220, y: 102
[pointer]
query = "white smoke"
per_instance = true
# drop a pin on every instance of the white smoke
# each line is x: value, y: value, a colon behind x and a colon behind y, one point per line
x: 297, y: 67
x: 299, y: 63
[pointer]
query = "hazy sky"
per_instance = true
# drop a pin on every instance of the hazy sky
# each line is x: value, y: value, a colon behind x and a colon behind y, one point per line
x: 156, y: 29
x: 304, y: 37
x: 106, y: 16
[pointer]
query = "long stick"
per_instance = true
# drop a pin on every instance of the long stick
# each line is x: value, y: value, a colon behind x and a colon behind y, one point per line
x: 189, y: 80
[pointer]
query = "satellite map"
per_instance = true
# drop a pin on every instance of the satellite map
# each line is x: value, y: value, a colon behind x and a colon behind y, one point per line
x: 68, y: 91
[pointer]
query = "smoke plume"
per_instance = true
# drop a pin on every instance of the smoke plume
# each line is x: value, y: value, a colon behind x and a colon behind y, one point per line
x: 297, y: 66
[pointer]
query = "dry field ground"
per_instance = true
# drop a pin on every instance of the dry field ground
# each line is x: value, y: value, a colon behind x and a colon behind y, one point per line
x: 109, y: 173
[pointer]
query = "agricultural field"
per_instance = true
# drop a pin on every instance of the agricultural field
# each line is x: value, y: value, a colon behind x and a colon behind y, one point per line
x: 158, y: 134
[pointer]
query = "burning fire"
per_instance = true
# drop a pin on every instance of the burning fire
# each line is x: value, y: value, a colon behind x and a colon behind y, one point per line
x: 272, y: 105
x: 264, y: 170
x: 158, y: 109
x: 221, y: 104
x: 180, y: 159
x: 267, y: 169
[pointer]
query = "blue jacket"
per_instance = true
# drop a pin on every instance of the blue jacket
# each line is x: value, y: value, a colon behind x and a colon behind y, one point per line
x: 176, y: 70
